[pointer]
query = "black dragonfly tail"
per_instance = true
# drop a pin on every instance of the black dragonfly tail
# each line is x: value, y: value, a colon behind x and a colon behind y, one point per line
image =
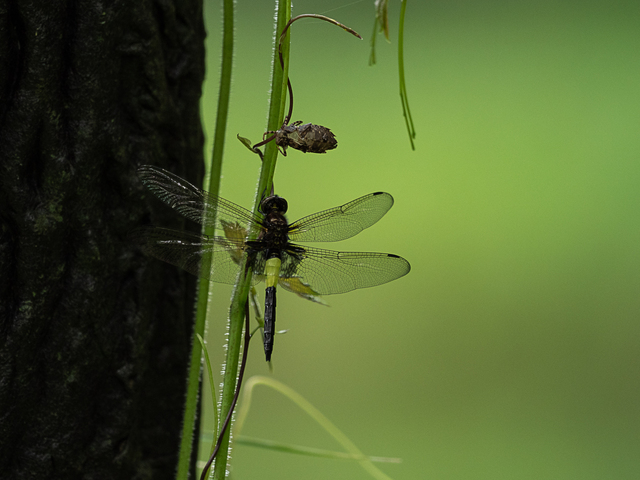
x: 269, y: 321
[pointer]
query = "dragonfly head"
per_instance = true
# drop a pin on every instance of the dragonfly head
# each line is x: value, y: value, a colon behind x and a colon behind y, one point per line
x: 274, y: 204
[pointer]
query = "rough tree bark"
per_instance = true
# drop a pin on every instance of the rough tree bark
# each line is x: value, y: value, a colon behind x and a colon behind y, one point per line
x: 94, y: 338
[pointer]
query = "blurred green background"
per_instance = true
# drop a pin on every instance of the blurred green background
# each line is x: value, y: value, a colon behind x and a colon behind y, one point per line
x: 511, y: 350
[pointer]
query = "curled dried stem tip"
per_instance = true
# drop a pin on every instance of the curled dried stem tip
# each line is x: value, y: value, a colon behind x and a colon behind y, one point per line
x: 282, y: 35
x: 319, y: 17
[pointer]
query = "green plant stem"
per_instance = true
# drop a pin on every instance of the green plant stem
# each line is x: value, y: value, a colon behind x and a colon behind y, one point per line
x: 403, y: 87
x: 241, y: 291
x: 193, y: 385
x: 277, y: 102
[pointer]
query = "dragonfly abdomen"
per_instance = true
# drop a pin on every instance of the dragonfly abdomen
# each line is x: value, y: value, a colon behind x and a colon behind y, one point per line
x: 272, y: 273
x: 269, y: 321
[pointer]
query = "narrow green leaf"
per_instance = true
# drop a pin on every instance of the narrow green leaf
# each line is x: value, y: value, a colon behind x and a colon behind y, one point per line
x: 310, y: 410
x: 212, y: 385
x: 245, y: 141
x: 380, y: 25
x: 309, y: 451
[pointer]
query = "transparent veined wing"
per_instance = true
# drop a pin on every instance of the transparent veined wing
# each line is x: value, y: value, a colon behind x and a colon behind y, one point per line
x: 328, y: 272
x: 342, y: 222
x: 193, y: 202
x: 190, y: 251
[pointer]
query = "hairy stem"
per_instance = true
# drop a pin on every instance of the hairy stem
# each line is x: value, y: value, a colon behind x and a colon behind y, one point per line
x: 193, y: 383
x: 265, y: 183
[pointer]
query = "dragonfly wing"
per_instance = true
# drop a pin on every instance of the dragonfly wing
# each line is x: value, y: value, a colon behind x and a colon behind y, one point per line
x: 297, y: 286
x: 328, y: 272
x: 193, y: 202
x: 191, y: 251
x: 342, y: 222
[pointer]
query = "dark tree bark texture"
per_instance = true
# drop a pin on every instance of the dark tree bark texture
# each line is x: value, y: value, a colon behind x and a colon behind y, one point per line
x: 94, y: 338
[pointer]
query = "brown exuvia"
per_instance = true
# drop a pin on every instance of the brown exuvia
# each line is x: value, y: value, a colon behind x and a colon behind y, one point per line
x: 306, y: 138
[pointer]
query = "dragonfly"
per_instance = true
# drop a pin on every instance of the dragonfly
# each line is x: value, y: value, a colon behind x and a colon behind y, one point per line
x: 271, y: 255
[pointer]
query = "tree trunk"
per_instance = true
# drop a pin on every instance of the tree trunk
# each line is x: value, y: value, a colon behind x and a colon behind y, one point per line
x: 94, y: 337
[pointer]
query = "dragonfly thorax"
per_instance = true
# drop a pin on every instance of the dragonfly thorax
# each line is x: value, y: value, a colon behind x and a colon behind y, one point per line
x: 275, y: 233
x: 275, y: 228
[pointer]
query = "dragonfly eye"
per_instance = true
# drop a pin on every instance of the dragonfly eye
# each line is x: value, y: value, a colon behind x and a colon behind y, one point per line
x: 274, y: 203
